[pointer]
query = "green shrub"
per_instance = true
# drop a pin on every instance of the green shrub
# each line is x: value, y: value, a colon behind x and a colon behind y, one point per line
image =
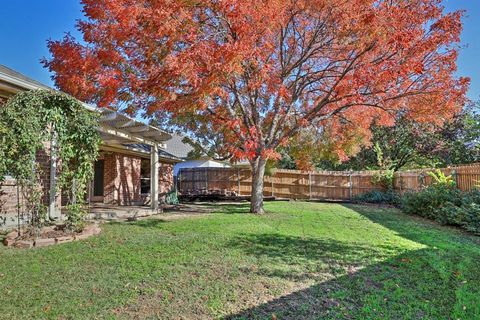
x: 427, y: 201
x: 470, y: 213
x: 384, y: 179
x: 449, y: 214
x: 445, y: 205
x: 440, y: 179
x: 379, y: 197
x: 472, y: 197
x: 469, y: 217
x: 76, y: 214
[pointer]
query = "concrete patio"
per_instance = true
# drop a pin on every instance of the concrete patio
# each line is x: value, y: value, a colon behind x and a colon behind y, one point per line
x: 100, y: 211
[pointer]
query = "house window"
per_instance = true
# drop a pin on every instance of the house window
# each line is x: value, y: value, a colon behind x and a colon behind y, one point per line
x: 145, y: 176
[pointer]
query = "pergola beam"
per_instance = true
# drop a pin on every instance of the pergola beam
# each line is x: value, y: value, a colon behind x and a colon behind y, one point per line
x: 123, y: 134
x: 137, y: 129
x: 152, y: 133
x: 106, y: 117
x: 129, y: 123
x: 125, y: 127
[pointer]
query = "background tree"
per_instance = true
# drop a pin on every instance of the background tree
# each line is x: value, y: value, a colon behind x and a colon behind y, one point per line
x: 259, y: 72
x: 407, y: 144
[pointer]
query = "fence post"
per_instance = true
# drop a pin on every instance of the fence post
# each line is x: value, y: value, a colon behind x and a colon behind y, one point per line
x: 273, y: 193
x: 400, y: 182
x: 455, y: 177
x: 238, y: 180
x: 310, y: 185
x: 206, y: 179
x: 421, y: 179
x: 350, y: 185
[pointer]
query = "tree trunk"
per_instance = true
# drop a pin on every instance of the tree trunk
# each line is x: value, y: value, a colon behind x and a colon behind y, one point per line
x: 258, y: 172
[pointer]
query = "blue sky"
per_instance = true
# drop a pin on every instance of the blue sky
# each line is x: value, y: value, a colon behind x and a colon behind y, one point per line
x: 25, y: 25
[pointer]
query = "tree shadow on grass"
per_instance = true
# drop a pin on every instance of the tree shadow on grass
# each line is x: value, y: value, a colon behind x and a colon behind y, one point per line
x: 231, y: 208
x: 300, y: 258
x: 404, y: 287
x: 215, y: 207
x: 145, y: 223
x: 355, y: 281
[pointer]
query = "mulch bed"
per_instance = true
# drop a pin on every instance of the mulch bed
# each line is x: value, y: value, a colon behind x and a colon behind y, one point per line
x: 49, y: 236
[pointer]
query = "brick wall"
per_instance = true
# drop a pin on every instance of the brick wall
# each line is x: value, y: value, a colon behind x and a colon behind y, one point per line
x: 110, y: 174
x: 8, y: 203
x: 8, y: 190
x: 122, y: 179
x: 165, y: 178
x: 121, y: 183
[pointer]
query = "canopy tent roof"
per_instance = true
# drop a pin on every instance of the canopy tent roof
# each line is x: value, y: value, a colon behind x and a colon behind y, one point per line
x: 115, y: 128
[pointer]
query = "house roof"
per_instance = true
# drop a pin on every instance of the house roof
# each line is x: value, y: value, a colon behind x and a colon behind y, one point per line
x: 180, y: 149
x: 12, y: 78
x: 116, y: 128
x: 177, y: 147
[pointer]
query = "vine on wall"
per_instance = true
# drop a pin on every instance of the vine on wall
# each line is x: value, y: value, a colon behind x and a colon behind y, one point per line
x: 33, y: 120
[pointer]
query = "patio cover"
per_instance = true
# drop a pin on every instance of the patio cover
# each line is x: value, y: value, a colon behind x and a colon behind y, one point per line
x: 115, y: 129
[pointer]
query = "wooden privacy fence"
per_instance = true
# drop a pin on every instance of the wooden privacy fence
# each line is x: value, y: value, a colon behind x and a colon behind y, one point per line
x: 335, y: 185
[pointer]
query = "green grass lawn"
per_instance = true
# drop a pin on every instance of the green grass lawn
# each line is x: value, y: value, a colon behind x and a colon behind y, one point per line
x: 299, y: 261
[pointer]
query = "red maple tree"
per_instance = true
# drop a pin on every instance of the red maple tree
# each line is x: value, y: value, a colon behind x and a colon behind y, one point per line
x: 258, y: 72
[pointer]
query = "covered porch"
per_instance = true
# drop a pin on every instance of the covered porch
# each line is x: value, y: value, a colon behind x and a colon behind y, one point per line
x: 132, y: 172
x: 133, y: 169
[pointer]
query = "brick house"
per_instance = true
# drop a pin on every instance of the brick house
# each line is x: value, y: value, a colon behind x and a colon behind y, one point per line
x: 132, y: 162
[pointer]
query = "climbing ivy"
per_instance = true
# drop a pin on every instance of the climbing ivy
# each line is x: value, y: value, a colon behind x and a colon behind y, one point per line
x: 29, y: 122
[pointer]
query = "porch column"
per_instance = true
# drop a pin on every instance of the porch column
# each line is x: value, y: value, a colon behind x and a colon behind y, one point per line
x: 53, y: 212
x: 154, y: 177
